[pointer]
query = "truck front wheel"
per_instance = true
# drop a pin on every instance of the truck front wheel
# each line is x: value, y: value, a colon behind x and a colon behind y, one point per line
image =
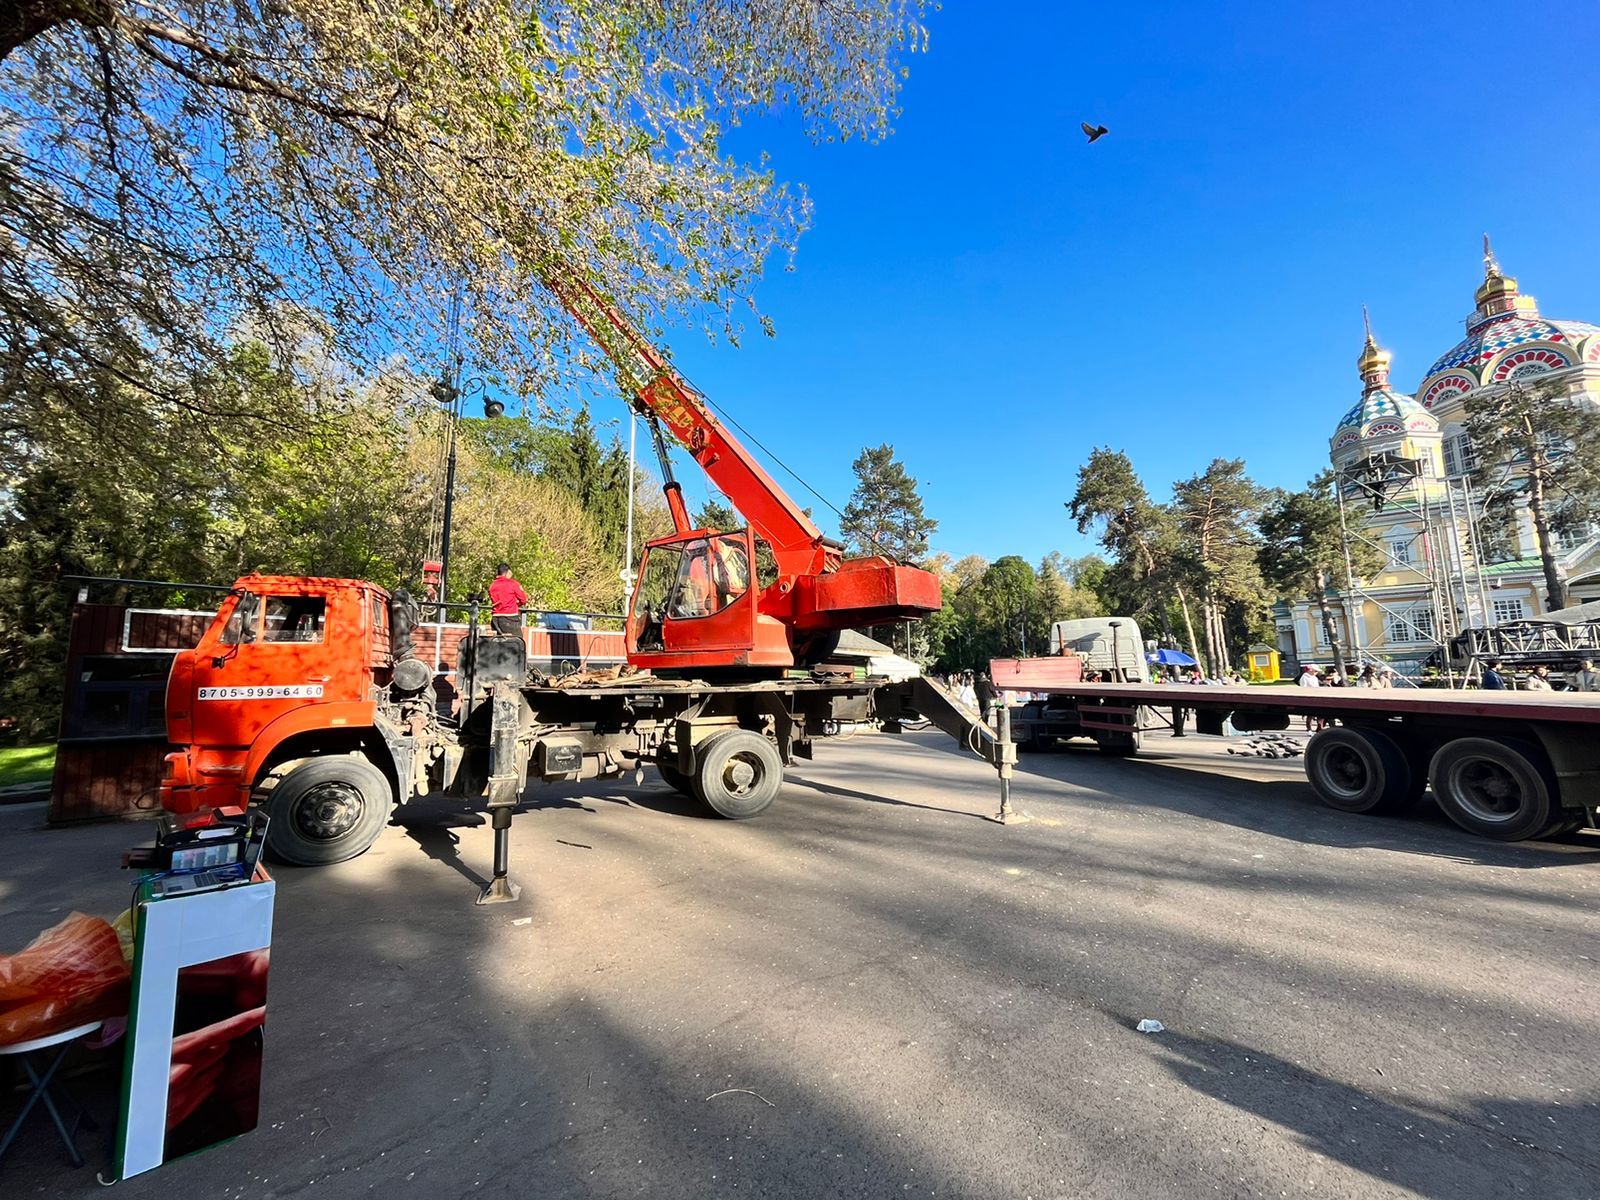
x: 1499, y: 789
x: 327, y: 810
x: 739, y: 773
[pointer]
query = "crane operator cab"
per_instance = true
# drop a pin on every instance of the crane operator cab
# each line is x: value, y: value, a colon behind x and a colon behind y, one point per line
x: 694, y: 595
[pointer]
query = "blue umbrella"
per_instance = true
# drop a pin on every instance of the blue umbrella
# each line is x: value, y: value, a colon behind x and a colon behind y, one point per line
x: 1170, y: 658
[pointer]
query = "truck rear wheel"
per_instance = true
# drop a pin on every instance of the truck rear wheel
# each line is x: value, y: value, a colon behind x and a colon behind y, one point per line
x: 739, y: 773
x: 1360, y: 771
x: 1498, y: 789
x: 327, y: 810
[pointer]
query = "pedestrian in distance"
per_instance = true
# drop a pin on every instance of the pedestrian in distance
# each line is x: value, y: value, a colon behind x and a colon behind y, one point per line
x: 984, y: 692
x: 1539, y: 680
x: 1493, y: 681
x: 506, y: 599
x: 1310, y: 676
x: 965, y: 693
x: 1587, y: 679
x: 1368, y: 677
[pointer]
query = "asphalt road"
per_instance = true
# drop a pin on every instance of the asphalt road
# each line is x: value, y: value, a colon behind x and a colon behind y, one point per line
x: 872, y: 990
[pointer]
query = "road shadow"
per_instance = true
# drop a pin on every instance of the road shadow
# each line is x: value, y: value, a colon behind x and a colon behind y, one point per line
x: 433, y: 829
x: 1404, y: 1144
x: 833, y: 789
x: 1289, y: 808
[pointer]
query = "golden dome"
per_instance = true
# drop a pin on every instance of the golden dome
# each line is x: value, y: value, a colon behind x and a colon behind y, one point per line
x: 1498, y: 292
x: 1374, y: 358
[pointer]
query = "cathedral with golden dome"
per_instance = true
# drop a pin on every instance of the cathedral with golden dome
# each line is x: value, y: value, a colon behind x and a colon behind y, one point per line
x: 1458, y: 551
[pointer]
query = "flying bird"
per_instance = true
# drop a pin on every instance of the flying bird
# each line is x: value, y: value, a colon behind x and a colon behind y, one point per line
x: 1094, y: 132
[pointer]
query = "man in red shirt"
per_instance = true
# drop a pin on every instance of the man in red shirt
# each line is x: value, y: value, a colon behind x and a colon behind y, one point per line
x: 506, y: 599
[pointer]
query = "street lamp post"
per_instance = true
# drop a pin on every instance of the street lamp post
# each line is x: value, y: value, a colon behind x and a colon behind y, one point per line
x: 449, y: 395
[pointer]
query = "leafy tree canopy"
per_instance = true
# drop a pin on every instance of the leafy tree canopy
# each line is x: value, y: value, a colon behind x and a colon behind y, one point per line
x: 382, y: 174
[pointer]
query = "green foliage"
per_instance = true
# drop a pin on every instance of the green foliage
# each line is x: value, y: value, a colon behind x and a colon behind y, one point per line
x: 1302, y: 551
x: 995, y: 610
x: 1142, y: 539
x: 568, y: 454
x: 1543, y: 443
x: 885, y: 515
x: 1111, y: 495
x: 349, y: 493
x: 1215, y: 515
x: 176, y: 173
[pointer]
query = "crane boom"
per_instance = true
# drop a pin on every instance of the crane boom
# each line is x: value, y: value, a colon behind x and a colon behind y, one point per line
x: 799, y: 548
x: 697, y: 607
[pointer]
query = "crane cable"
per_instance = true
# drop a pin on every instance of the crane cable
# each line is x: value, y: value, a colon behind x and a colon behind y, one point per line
x: 795, y: 475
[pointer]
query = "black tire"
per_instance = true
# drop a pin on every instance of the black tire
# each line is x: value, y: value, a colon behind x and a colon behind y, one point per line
x: 738, y: 773
x: 677, y: 779
x: 1119, y: 745
x: 327, y: 810
x: 1562, y: 826
x: 1360, y: 770
x: 1496, y: 789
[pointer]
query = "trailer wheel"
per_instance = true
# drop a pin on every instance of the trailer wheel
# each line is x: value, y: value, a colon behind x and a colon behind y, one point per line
x: 1498, y: 789
x: 738, y: 773
x: 1119, y: 745
x: 327, y: 810
x: 677, y: 779
x: 1360, y: 771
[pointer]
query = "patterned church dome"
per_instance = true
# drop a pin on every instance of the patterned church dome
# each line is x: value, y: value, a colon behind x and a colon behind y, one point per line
x: 1506, y: 339
x: 1382, y: 413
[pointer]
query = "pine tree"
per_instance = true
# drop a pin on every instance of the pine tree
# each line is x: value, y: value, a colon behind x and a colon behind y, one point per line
x: 885, y: 515
x: 1139, y: 533
x: 1215, y: 513
x: 1303, y: 549
x: 1550, y: 442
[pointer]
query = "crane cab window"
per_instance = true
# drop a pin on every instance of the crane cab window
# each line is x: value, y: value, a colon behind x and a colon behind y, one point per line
x: 293, y: 618
x: 713, y: 573
x: 656, y: 586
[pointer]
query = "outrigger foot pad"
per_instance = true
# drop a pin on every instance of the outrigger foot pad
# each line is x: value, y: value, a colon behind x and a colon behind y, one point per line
x: 500, y: 891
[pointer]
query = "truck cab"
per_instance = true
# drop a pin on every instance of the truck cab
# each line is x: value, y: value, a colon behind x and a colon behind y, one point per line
x: 1109, y: 649
x: 290, y: 668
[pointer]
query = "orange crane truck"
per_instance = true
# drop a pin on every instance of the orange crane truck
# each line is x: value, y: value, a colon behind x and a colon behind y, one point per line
x: 305, y: 695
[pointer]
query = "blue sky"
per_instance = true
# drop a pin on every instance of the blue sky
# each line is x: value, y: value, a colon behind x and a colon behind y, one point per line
x: 995, y: 297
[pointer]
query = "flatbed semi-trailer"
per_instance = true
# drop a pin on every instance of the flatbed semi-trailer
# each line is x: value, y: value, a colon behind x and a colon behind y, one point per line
x: 1506, y: 765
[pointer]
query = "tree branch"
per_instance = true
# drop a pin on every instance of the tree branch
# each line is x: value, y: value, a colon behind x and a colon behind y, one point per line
x: 145, y: 35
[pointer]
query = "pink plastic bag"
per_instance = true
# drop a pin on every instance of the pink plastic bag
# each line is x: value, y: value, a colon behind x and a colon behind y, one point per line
x: 69, y: 975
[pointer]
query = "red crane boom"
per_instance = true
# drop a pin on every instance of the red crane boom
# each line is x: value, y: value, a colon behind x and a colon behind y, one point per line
x: 699, y: 608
